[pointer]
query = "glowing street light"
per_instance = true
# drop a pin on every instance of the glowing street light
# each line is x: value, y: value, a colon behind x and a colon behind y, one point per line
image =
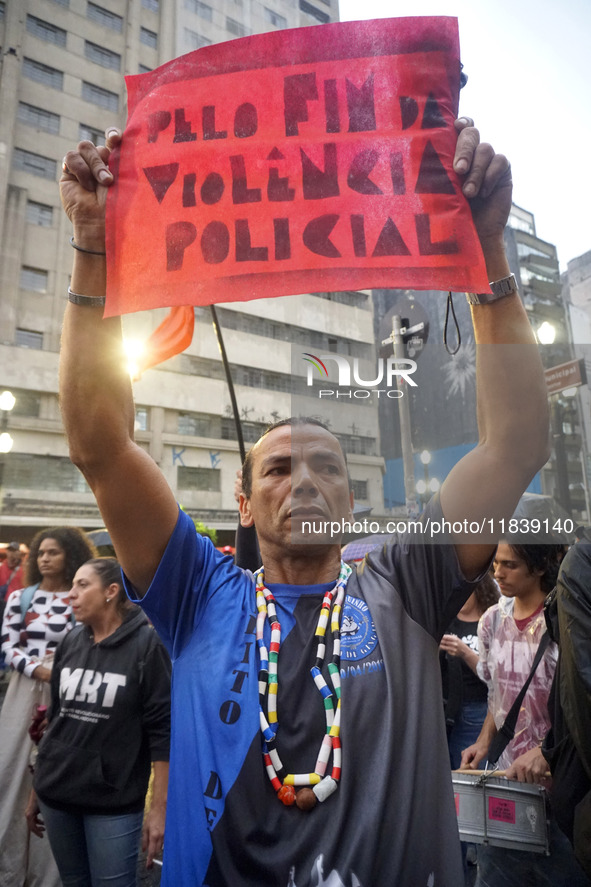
x: 546, y: 333
x: 425, y: 457
x: 6, y: 442
x: 7, y: 401
x: 133, y: 348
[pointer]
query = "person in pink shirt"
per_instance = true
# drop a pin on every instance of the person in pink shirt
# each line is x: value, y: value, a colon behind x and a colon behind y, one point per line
x: 509, y: 634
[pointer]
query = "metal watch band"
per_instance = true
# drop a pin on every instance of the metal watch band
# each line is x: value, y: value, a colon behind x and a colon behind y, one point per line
x: 86, y: 301
x: 506, y: 286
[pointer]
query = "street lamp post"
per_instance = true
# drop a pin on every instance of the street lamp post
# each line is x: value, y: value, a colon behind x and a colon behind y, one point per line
x: 7, y: 402
x: 427, y: 485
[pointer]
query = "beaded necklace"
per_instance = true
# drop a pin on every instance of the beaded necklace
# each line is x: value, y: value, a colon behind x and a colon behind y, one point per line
x: 315, y: 786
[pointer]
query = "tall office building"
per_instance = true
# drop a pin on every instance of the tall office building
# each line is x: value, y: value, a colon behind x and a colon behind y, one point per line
x: 442, y: 406
x: 61, y: 80
x: 576, y: 294
x: 535, y: 264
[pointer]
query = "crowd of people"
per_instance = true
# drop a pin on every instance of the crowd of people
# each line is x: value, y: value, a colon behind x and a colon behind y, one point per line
x: 108, y: 713
x: 93, y: 678
x: 308, y: 737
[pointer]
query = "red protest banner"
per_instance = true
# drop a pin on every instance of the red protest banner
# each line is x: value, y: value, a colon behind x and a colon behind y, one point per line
x: 309, y: 160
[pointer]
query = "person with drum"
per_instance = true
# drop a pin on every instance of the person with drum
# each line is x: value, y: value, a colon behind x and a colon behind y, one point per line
x: 509, y: 634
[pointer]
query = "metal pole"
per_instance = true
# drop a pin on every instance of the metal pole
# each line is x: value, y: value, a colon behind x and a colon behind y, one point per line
x: 404, y: 415
x: 561, y: 465
x: 229, y: 380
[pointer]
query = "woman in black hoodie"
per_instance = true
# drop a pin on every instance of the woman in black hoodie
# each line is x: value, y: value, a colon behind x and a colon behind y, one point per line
x: 109, y: 720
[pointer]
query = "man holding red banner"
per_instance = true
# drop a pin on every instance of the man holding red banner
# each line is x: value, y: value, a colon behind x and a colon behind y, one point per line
x: 376, y: 808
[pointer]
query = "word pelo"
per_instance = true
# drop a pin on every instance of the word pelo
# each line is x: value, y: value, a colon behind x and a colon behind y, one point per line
x: 299, y: 90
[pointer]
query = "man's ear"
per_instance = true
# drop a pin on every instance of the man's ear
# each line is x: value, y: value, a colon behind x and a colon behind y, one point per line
x: 246, y: 518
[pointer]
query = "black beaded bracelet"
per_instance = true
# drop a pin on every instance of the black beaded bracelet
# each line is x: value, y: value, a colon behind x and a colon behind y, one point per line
x: 86, y: 301
x: 82, y: 249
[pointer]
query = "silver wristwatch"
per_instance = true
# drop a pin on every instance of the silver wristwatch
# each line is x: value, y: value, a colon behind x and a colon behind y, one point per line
x: 506, y: 286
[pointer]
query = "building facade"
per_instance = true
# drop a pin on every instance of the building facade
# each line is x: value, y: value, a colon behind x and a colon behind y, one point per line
x: 535, y: 264
x: 576, y: 294
x: 62, y: 80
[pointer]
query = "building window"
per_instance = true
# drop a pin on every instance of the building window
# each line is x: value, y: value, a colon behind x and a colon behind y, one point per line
x: 33, y: 279
x: 236, y: 28
x: 148, y: 38
x: 354, y: 444
x: 198, y: 425
x: 27, y: 472
x: 200, y: 9
x: 29, y: 339
x: 2, y: 10
x: 39, y: 214
x: 193, y: 40
x: 26, y: 161
x: 359, y: 488
x: 43, y: 74
x: 99, y: 96
x: 141, y: 419
x: 27, y: 403
x: 152, y: 5
x: 144, y: 69
x: 278, y: 21
x: 524, y: 249
x: 102, y: 56
x: 104, y: 17
x: 40, y: 118
x: 90, y: 134
x: 320, y: 16
x: 65, y: 3
x: 203, y: 479
x: 251, y: 431
x: 46, y: 31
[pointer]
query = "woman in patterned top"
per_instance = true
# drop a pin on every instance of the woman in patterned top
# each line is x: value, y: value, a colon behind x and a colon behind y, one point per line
x: 28, y: 642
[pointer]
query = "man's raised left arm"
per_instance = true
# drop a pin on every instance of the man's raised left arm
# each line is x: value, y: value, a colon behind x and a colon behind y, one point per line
x: 513, y: 421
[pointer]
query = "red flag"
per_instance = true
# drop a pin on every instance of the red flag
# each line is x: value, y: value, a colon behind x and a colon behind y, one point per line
x: 171, y: 337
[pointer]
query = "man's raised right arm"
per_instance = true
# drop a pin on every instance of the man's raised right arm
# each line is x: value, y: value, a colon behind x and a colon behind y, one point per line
x: 136, y: 503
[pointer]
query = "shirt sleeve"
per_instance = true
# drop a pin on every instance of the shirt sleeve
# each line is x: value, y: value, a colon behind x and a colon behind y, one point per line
x: 422, y: 565
x: 484, y: 639
x: 15, y: 655
x: 190, y: 572
x: 156, y: 699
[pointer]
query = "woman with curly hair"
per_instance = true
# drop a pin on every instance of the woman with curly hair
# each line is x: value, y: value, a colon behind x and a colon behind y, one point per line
x: 35, y: 620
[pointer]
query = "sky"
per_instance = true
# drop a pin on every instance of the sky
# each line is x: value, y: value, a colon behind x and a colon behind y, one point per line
x: 529, y: 90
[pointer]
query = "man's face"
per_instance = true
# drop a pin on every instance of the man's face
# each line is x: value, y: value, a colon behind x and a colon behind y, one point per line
x: 513, y: 575
x: 13, y: 557
x: 298, y: 474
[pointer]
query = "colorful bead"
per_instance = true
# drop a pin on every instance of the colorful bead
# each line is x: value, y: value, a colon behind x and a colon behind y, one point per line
x: 301, y: 779
x: 287, y: 795
x: 325, y: 788
x: 306, y: 799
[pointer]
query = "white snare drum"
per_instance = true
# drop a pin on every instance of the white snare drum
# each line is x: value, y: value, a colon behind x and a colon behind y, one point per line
x: 502, y: 812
